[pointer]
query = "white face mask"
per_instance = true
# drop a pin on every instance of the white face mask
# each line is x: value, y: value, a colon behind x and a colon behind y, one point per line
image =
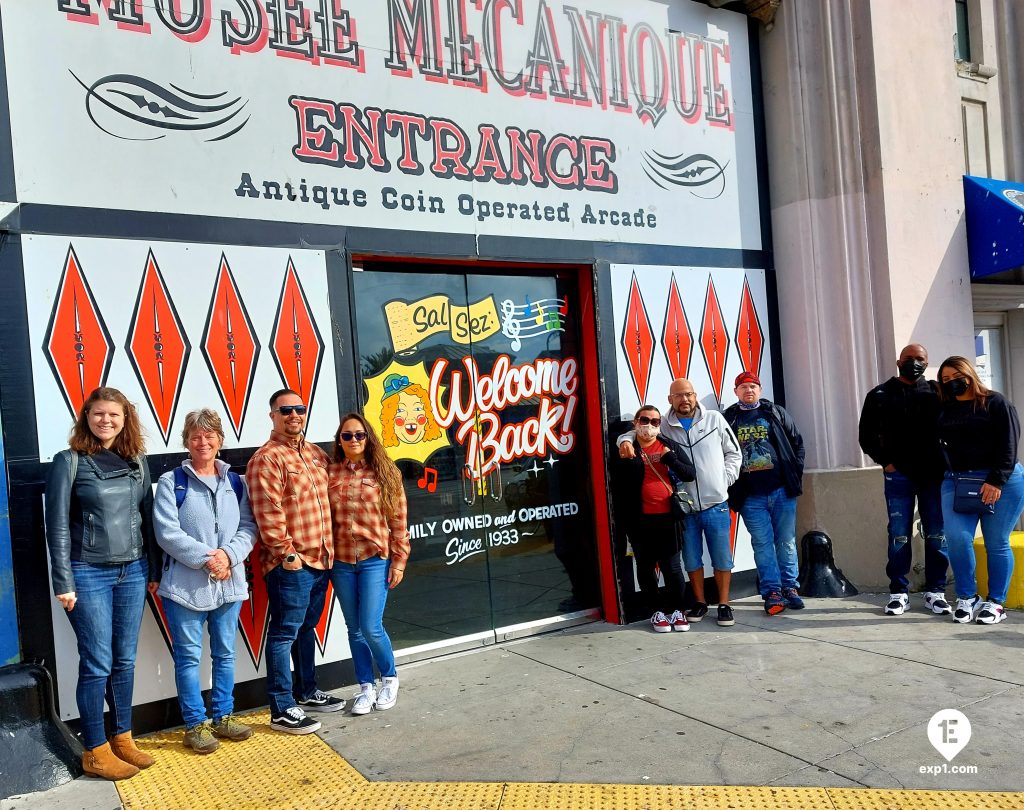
x: 646, y: 431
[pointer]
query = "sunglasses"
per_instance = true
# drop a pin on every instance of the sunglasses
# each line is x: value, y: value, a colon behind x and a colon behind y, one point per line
x: 288, y: 410
x: 649, y: 420
x: 358, y: 436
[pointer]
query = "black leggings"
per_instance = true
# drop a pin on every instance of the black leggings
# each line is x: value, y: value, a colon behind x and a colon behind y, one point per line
x: 656, y: 542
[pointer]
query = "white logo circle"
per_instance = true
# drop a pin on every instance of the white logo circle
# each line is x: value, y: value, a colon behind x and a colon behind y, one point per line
x: 949, y: 731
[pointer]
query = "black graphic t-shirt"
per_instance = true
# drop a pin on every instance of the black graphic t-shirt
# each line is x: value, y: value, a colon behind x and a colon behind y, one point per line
x: 759, y: 456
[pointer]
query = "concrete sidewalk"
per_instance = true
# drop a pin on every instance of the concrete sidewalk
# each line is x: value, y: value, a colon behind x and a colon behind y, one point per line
x: 834, y: 696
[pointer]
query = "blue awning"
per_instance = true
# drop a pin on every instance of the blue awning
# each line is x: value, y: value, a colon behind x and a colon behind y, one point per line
x: 995, y: 225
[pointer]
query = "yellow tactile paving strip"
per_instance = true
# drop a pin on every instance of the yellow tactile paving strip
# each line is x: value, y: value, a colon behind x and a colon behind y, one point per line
x: 274, y: 771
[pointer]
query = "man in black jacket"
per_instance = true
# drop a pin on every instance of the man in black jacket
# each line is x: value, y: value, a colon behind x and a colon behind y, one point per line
x: 766, y: 491
x: 898, y: 429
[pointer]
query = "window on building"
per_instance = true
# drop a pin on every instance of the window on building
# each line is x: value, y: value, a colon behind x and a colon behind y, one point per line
x: 962, y: 40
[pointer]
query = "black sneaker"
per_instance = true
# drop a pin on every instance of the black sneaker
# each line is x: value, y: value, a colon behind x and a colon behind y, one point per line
x: 697, y: 612
x: 725, y: 618
x: 321, y: 702
x: 294, y: 721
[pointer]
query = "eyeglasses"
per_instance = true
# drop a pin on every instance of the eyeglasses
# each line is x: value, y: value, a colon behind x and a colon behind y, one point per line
x: 288, y: 410
x: 358, y: 436
x: 649, y: 420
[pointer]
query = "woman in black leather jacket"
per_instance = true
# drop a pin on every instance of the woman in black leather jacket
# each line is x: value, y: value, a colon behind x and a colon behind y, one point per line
x: 99, y: 506
x: 647, y: 484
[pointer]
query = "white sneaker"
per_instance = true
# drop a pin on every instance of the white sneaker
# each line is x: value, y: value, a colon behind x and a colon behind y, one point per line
x: 679, y: 623
x: 935, y: 601
x: 990, y: 613
x: 660, y: 623
x: 364, y: 700
x: 967, y: 610
x: 898, y: 604
x: 388, y: 694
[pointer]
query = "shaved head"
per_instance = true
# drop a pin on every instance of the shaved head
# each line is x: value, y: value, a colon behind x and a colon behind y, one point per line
x: 915, y: 351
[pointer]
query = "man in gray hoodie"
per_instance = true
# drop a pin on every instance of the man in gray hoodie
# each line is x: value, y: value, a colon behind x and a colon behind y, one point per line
x: 717, y: 456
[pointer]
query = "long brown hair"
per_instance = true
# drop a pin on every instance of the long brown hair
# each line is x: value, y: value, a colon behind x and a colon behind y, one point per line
x: 377, y: 459
x: 129, y: 443
x: 964, y: 366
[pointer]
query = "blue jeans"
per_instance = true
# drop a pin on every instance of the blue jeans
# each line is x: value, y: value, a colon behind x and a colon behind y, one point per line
x: 106, y: 620
x: 296, y: 600
x: 900, y: 492
x: 186, y: 628
x: 362, y: 590
x: 771, y: 521
x: 995, y: 528
x: 715, y: 525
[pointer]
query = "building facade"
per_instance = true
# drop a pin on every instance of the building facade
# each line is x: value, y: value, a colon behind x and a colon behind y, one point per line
x: 496, y: 228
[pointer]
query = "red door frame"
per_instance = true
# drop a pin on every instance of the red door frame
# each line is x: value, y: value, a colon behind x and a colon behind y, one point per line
x: 591, y: 392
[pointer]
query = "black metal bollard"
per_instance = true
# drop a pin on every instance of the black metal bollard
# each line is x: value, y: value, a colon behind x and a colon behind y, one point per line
x: 818, y: 573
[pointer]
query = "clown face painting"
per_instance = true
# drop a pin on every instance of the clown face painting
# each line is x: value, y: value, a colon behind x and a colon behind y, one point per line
x: 406, y: 417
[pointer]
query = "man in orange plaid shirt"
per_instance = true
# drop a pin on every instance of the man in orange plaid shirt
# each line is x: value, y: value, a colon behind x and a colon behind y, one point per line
x: 287, y: 480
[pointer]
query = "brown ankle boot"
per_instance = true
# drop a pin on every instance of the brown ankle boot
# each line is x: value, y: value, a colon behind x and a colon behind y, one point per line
x: 124, y: 748
x: 102, y: 762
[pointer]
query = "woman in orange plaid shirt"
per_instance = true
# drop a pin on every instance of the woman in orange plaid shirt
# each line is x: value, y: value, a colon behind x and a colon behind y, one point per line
x: 371, y: 548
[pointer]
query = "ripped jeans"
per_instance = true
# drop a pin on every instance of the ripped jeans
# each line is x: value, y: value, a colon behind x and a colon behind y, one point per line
x: 900, y: 493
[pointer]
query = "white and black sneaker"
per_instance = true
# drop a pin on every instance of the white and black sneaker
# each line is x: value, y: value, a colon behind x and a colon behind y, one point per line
x: 294, y: 721
x: 388, y: 694
x: 364, y: 700
x: 990, y: 613
x: 320, y: 701
x: 967, y: 610
x: 898, y: 604
x: 935, y: 601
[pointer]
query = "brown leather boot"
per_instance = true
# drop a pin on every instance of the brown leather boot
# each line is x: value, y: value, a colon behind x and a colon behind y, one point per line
x: 102, y: 762
x: 124, y: 748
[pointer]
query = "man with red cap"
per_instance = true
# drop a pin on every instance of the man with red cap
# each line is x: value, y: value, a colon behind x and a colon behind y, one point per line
x: 766, y: 491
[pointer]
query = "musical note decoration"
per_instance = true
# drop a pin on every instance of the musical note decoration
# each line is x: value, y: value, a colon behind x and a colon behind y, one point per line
x: 428, y: 480
x: 532, y: 318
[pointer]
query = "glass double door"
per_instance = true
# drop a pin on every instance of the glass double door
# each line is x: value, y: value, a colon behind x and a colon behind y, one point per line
x: 474, y: 383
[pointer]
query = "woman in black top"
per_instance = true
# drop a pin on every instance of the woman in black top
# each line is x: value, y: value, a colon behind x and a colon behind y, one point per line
x: 979, y: 430
x: 99, y: 531
x: 648, y: 481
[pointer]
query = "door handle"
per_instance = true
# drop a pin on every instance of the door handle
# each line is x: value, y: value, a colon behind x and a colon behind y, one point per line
x: 471, y: 497
x: 497, y: 492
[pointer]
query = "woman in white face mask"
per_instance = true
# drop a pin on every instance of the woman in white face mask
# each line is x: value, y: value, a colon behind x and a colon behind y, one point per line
x: 648, y: 482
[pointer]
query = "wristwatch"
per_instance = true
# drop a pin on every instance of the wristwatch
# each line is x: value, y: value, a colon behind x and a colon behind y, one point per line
x: 290, y: 558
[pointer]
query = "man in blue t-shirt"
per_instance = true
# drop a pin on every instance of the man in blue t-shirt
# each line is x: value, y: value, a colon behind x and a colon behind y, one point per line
x: 766, y: 491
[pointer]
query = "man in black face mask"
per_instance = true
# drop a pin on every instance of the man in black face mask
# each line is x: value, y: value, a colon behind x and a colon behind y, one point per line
x: 898, y: 429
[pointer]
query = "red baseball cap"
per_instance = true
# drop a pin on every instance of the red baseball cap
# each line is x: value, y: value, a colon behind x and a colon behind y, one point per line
x: 747, y: 377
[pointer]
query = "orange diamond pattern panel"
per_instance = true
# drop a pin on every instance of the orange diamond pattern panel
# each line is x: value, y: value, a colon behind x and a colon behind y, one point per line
x: 252, y: 621
x: 295, y: 344
x: 638, y: 341
x: 77, y: 344
x: 230, y: 346
x: 158, y: 347
x: 676, y: 339
x: 714, y: 340
x: 749, y: 337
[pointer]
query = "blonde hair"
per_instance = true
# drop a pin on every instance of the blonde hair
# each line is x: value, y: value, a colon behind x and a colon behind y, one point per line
x: 205, y: 419
x: 129, y: 443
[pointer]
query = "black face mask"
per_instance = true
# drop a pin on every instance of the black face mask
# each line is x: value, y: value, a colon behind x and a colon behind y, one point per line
x: 955, y: 388
x: 912, y: 369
